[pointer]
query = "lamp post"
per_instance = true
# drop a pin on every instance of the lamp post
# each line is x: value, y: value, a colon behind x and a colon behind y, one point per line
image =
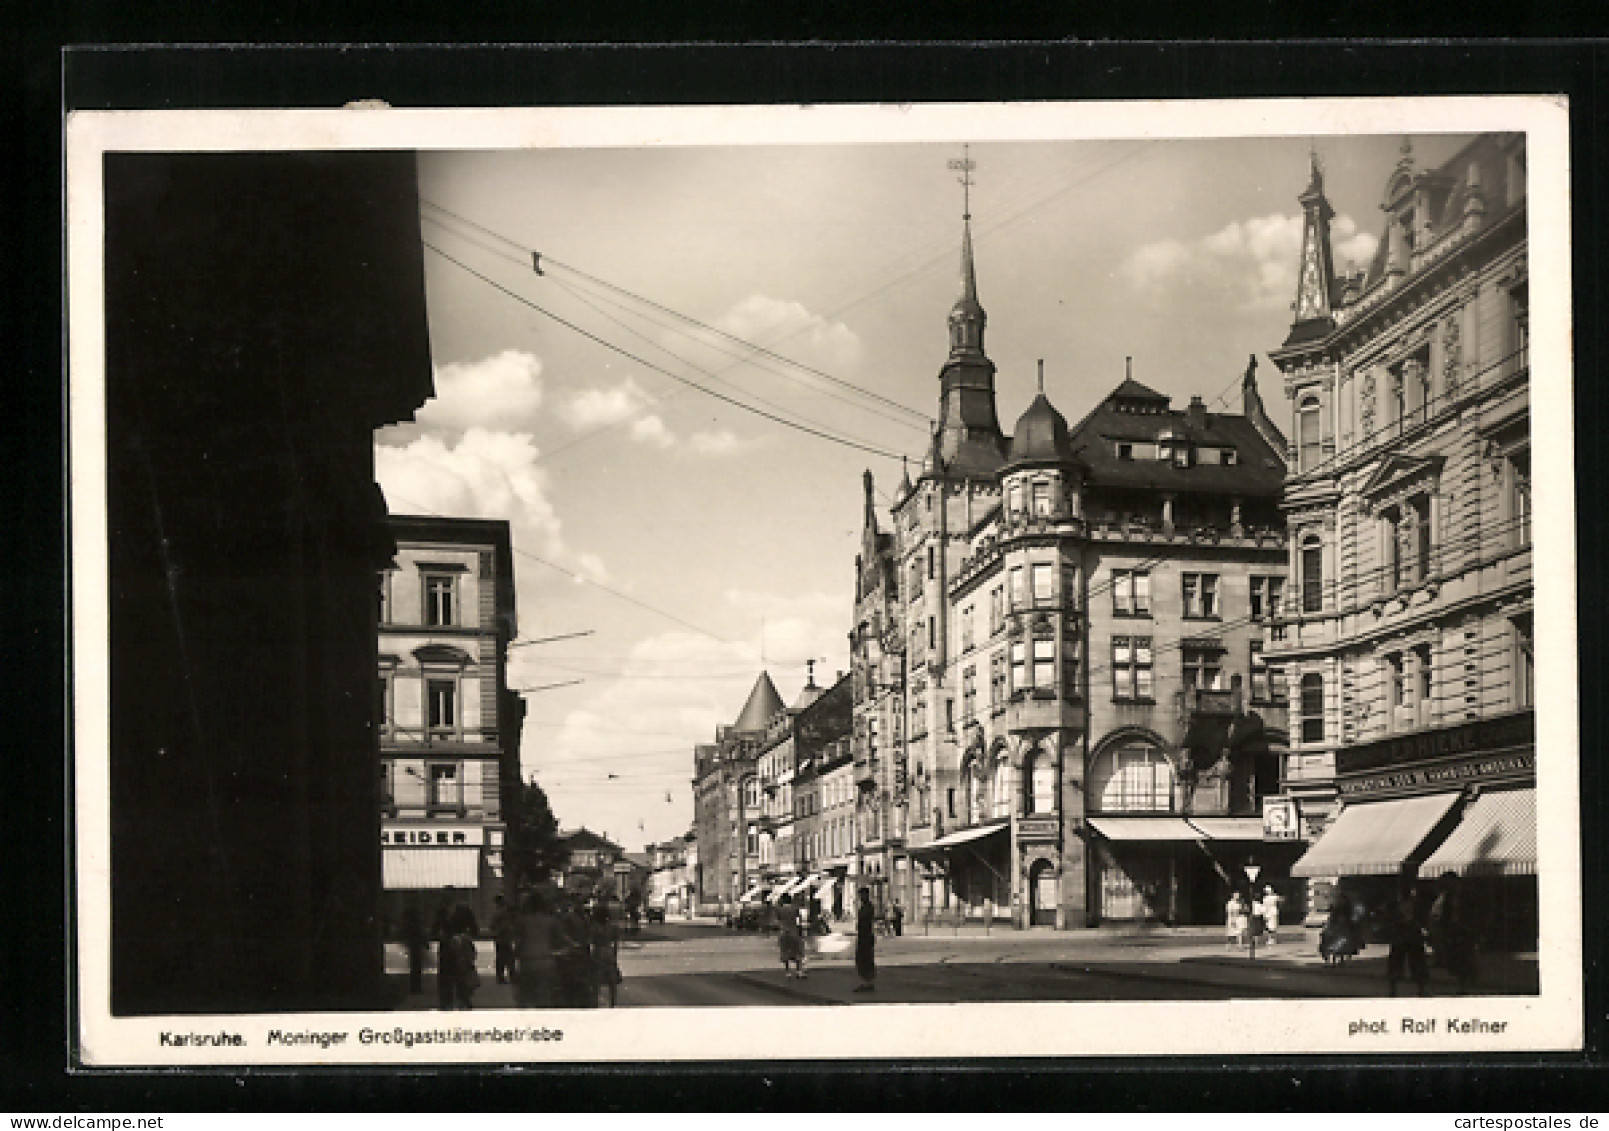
x: 1252, y: 872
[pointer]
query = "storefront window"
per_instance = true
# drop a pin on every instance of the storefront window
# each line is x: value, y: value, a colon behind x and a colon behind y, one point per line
x: 1042, y: 790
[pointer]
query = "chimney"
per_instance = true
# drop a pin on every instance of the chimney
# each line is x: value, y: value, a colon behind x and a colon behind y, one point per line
x: 1196, y: 414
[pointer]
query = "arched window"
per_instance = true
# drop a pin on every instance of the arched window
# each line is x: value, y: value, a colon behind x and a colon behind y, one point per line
x: 1132, y: 777
x: 1002, y: 786
x: 1041, y: 774
x: 1309, y: 451
x: 1312, y: 574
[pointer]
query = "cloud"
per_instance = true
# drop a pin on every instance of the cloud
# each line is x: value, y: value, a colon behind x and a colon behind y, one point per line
x: 652, y: 430
x: 719, y: 443
x: 505, y: 388
x: 793, y: 331
x: 1248, y: 263
x: 598, y: 408
x: 485, y: 474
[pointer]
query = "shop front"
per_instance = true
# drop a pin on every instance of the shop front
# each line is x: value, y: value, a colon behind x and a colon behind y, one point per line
x: 433, y: 866
x: 966, y: 875
x: 1416, y: 809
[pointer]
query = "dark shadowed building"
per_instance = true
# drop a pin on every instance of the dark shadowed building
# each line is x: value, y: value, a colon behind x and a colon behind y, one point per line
x: 264, y: 314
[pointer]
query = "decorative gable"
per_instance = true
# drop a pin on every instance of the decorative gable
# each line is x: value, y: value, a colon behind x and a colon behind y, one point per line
x: 1401, y: 474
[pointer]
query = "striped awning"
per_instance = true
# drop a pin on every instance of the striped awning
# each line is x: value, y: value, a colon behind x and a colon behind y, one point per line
x: 1375, y: 838
x: 428, y: 869
x: 1497, y: 837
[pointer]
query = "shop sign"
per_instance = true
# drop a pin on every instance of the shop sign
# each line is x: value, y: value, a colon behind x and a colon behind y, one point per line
x: 1441, y: 776
x: 1501, y: 733
x: 1037, y: 828
x: 419, y: 836
x: 623, y: 867
x: 1280, y: 819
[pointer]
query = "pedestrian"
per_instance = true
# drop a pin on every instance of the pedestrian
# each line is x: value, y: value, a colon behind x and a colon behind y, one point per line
x: 1407, y: 938
x: 536, y: 973
x: 790, y: 943
x: 573, y: 959
x: 413, y: 938
x: 1271, y: 904
x: 466, y: 979
x: 866, y: 943
x: 1255, y: 922
x: 504, y: 932
x: 605, y: 940
x: 1234, y: 920
x: 899, y: 918
x: 446, y: 968
x: 1452, y: 934
x: 1338, y: 939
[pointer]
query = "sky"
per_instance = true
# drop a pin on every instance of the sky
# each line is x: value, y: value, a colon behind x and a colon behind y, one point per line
x: 697, y: 543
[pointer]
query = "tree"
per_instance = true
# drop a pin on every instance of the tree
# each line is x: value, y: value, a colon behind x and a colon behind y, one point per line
x: 534, y: 851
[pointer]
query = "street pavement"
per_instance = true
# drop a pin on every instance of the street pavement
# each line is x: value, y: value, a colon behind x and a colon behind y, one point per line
x: 707, y: 965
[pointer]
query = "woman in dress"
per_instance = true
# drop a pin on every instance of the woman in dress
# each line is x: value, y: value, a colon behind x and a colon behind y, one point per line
x: 866, y: 943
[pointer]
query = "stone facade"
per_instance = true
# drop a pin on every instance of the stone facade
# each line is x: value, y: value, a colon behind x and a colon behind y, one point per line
x: 1408, y: 504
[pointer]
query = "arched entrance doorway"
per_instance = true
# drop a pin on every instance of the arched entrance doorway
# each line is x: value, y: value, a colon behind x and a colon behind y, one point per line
x: 1042, y: 894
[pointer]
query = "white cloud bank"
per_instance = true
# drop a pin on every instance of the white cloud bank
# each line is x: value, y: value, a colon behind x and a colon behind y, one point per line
x: 793, y: 331
x: 504, y: 390
x: 1249, y: 263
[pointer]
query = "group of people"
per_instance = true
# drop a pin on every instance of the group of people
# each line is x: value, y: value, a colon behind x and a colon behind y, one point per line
x: 1255, y: 920
x: 796, y: 922
x: 557, y: 952
x: 1446, y: 928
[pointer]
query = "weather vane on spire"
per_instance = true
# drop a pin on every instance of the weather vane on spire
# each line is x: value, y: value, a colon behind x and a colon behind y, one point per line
x: 964, y: 165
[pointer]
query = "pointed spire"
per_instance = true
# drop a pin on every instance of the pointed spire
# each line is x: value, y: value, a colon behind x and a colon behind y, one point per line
x: 904, y: 477
x: 1316, y: 271
x: 763, y: 702
x: 1041, y: 376
x: 871, y: 502
x: 966, y: 317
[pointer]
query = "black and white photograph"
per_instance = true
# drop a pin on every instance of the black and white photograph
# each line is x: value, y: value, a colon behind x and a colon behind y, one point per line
x: 969, y: 580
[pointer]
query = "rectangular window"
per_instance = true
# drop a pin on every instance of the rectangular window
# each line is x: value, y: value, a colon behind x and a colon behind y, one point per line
x: 385, y: 596
x: 966, y: 628
x: 931, y: 559
x: 1266, y: 594
x: 1019, y: 665
x: 442, y: 696
x: 1131, y: 667
x: 1045, y: 664
x: 1131, y: 593
x: 1524, y: 662
x: 1070, y: 649
x: 1069, y: 587
x: 446, y: 787
x: 932, y: 632
x: 1201, y: 594
x: 1018, y: 598
x: 1203, y: 669
x: 1125, y: 451
x: 969, y: 692
x: 997, y: 679
x: 997, y: 609
x: 1519, y: 497
x: 1014, y: 499
x: 1312, y: 560
x: 1042, y: 499
x: 1312, y: 707
x: 388, y: 793
x: 1044, y: 584
x: 1262, y: 690
x: 439, y: 600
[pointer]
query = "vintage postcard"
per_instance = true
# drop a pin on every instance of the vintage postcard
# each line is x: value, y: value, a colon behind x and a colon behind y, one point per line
x: 584, y: 585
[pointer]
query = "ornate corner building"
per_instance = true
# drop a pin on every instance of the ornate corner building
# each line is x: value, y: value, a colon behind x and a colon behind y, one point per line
x: 1407, y: 632
x: 1061, y: 710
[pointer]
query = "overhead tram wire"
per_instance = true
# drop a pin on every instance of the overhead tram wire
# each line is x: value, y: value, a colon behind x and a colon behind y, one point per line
x: 737, y: 359
x: 845, y: 441
x: 530, y: 256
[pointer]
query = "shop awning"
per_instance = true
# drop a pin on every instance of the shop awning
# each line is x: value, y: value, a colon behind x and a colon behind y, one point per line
x: 1145, y: 828
x: 426, y: 869
x: 1229, y: 828
x: 1375, y: 838
x: 824, y: 893
x: 964, y: 836
x: 1496, y: 837
x: 752, y: 893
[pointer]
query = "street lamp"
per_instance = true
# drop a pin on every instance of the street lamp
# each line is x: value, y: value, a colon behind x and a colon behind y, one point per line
x: 1252, y: 872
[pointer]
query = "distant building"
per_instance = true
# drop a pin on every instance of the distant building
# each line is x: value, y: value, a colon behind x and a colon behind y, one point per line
x: 1062, y: 714
x: 1407, y: 634
x: 589, y: 864
x: 726, y: 800
x: 671, y: 885
x: 824, y: 798
x: 449, y: 723
x: 265, y: 313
